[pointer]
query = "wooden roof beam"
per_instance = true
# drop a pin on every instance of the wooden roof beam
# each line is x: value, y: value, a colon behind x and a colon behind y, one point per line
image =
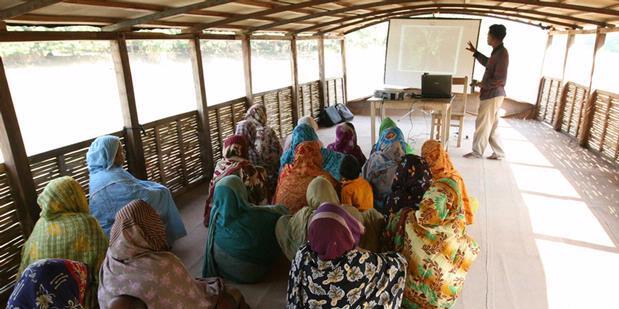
x: 167, y: 13
x: 451, y: 11
x: 574, y: 7
x: 25, y: 7
x: 279, y: 9
x: 426, y: 13
x: 390, y: 11
x: 270, y: 5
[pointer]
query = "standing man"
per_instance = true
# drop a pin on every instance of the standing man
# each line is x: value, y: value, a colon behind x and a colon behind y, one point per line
x: 491, y: 95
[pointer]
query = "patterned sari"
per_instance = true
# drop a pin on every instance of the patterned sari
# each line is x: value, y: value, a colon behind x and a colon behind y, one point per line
x: 234, y: 162
x: 388, y: 123
x: 411, y: 181
x: 65, y: 230
x: 266, y: 144
x: 329, y: 271
x: 346, y: 142
x: 296, y: 177
x: 139, y: 264
x: 51, y: 283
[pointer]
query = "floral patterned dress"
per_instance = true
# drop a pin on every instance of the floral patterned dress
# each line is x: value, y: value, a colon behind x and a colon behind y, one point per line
x: 358, y: 279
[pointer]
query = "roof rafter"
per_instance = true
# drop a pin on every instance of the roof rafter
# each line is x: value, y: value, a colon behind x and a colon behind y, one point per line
x: 440, y: 5
x: 26, y: 7
x: 167, y: 13
x: 274, y: 10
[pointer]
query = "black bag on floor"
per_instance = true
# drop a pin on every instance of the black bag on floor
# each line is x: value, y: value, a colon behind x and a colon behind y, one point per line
x: 329, y: 117
x: 346, y: 114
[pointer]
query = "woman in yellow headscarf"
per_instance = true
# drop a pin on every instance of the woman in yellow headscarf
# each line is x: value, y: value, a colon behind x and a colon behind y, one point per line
x: 66, y: 230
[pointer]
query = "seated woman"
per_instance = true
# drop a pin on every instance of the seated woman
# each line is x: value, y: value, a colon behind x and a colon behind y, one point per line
x: 303, y: 120
x: 234, y: 162
x: 296, y: 177
x: 356, y: 191
x: 241, y: 244
x: 264, y: 145
x: 330, y: 271
x: 331, y: 160
x: 139, y: 267
x: 434, y: 239
x: 112, y: 187
x: 346, y: 142
x: 40, y: 287
x: 380, y: 168
x: 66, y: 230
x: 291, y: 230
x: 412, y: 179
x: 388, y: 123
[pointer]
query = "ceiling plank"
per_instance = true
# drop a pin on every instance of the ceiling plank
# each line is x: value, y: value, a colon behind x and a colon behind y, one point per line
x: 270, y: 5
x: 167, y: 13
x: 279, y: 9
x: 25, y: 7
x: 574, y: 7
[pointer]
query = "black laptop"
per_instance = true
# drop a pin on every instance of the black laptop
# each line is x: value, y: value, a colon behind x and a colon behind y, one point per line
x: 435, y: 86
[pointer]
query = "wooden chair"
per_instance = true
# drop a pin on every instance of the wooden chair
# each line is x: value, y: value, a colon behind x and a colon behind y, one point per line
x: 458, y: 110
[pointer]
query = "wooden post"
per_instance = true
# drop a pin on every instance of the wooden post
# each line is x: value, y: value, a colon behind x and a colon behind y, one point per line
x: 324, y: 96
x: 541, y: 82
x: 570, y: 42
x: 589, y: 108
x: 600, y: 40
x: 203, y: 119
x: 344, y: 76
x: 135, y: 149
x: 249, y: 94
x: 16, y: 160
x: 295, y: 80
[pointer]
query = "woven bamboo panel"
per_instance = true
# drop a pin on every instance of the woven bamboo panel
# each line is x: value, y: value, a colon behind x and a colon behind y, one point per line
x: 309, y: 99
x: 172, y: 152
x: 225, y: 122
x: 339, y: 85
x: 214, y: 131
x: 315, y: 100
x: 604, y: 130
x: 66, y: 161
x: 573, y: 111
x: 258, y: 100
x: 11, y: 238
x: 239, y: 112
x: 550, y: 96
x: 271, y: 102
x: 332, y: 92
x: 285, y: 112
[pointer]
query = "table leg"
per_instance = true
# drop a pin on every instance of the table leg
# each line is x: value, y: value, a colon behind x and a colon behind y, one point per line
x: 444, y: 127
x: 382, y: 111
x: 373, y: 121
x: 448, y: 128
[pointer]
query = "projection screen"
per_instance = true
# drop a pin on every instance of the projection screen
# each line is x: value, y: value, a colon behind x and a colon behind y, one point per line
x: 435, y: 46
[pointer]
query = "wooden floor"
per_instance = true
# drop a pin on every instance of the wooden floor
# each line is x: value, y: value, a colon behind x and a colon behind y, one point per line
x: 548, y: 223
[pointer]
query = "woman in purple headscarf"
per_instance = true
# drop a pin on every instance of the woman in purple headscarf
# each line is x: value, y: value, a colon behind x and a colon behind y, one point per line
x: 346, y: 142
x: 331, y: 271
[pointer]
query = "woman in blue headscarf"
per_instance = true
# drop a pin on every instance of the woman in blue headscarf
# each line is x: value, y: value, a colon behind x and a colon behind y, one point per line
x: 112, y: 187
x: 331, y: 160
x: 241, y: 244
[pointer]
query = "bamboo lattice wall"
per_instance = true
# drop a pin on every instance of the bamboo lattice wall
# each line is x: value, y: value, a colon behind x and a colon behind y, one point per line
x: 11, y: 238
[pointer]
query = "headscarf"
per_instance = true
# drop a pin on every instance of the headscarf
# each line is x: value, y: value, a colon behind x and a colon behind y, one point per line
x: 291, y: 230
x: 380, y: 168
x: 296, y: 177
x: 346, y: 142
x: 241, y: 230
x: 66, y: 230
x: 234, y: 161
x: 51, y: 283
x: 266, y: 144
x: 412, y: 179
x: 139, y: 264
x: 331, y: 160
x: 441, y: 167
x: 102, y: 152
x: 249, y: 129
x: 112, y: 187
x: 388, y: 123
x: 308, y: 121
x: 333, y: 232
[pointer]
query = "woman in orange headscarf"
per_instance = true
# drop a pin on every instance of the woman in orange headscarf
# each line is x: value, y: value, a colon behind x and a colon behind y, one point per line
x: 296, y: 177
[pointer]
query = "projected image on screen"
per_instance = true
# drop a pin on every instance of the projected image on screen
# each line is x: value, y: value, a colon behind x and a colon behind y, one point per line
x: 428, y: 45
x: 429, y: 48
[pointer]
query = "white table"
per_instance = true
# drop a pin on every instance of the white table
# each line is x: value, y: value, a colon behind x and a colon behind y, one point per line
x: 441, y: 106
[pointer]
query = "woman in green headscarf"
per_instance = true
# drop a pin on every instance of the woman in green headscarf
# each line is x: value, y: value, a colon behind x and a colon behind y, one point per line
x: 241, y: 244
x: 388, y: 123
x: 66, y: 230
x: 291, y: 230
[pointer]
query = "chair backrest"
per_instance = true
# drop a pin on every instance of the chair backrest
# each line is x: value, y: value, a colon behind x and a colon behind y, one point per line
x: 460, y: 109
